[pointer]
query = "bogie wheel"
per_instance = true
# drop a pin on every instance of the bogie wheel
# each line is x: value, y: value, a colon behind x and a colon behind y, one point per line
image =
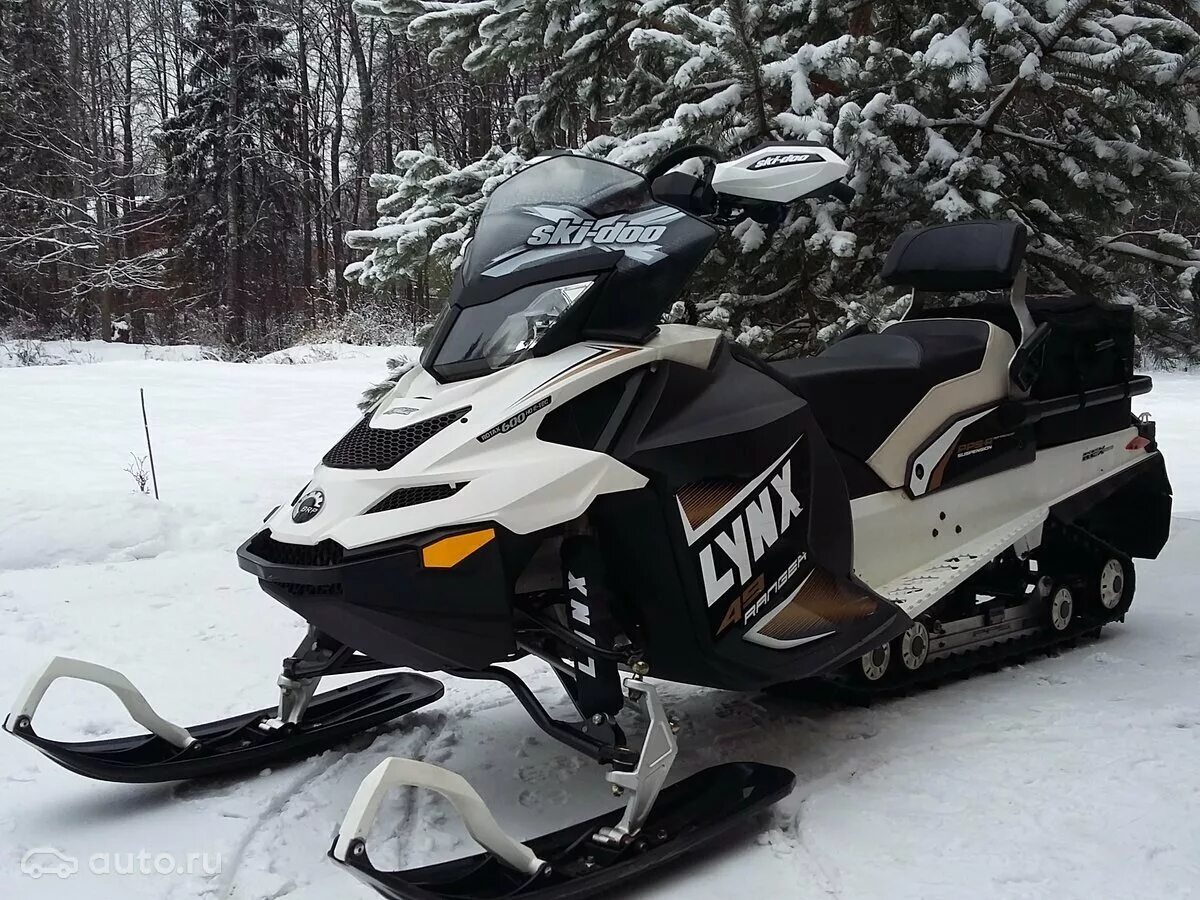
x: 1062, y: 608
x: 1112, y: 587
x: 912, y: 647
x: 873, y: 668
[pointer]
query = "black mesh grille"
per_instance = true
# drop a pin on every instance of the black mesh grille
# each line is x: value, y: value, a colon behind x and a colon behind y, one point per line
x: 379, y: 448
x: 326, y: 553
x: 412, y: 496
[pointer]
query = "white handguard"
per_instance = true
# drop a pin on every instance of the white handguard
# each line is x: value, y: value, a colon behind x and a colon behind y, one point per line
x: 780, y: 173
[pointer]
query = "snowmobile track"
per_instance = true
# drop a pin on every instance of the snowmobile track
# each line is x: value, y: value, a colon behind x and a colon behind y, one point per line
x: 958, y: 665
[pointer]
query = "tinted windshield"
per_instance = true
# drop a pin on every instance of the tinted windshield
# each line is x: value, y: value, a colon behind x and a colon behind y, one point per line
x: 561, y: 206
x: 566, y: 249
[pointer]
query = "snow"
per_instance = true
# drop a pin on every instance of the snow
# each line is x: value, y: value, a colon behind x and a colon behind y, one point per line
x: 57, y: 353
x: 327, y: 351
x: 1069, y: 777
x: 18, y: 353
x: 1001, y: 17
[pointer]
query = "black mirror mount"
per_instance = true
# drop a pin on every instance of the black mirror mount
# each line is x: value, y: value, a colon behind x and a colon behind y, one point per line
x: 687, y: 192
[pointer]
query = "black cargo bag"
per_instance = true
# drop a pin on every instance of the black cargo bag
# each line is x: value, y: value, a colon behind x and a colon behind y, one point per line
x: 1090, y: 345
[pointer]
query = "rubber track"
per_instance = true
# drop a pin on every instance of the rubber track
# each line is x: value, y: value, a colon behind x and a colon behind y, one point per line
x: 964, y: 663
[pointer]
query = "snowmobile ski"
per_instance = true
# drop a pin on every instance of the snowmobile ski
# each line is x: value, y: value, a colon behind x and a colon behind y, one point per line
x: 249, y: 741
x: 569, y: 863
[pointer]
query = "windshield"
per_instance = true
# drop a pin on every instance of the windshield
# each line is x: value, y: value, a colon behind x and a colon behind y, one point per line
x: 556, y: 208
x: 561, y: 235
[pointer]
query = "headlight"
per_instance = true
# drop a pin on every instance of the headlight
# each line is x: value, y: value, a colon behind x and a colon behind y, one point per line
x: 521, y: 331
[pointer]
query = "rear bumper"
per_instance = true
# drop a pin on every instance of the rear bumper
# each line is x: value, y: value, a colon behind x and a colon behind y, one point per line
x: 383, y: 602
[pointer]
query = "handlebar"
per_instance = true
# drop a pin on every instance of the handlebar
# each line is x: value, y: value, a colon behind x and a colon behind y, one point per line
x: 682, y: 154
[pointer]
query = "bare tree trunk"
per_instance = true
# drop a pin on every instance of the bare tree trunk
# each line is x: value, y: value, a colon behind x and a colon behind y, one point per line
x: 232, y: 294
x: 335, y: 170
x: 366, y: 114
x: 307, y: 174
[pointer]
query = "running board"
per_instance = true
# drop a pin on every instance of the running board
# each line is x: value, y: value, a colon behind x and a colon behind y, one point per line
x: 919, y: 589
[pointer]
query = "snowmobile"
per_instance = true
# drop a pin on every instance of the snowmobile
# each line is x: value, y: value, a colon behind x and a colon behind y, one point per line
x: 564, y: 477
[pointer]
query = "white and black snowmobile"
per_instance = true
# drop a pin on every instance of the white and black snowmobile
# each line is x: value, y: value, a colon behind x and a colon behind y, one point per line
x: 564, y: 477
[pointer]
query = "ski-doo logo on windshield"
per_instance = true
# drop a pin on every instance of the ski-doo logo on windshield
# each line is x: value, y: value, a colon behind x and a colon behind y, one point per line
x: 569, y: 230
x: 308, y: 506
x: 784, y: 159
x: 595, y: 231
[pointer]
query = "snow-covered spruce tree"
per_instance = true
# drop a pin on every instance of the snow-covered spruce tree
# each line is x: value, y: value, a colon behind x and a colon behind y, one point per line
x: 1066, y: 115
x: 230, y: 152
x: 578, y: 57
x: 428, y: 210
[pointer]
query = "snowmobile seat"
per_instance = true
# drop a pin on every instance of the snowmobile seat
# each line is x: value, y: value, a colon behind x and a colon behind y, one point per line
x: 877, y: 397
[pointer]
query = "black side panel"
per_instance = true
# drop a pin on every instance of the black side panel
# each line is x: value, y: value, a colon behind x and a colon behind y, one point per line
x: 1131, y: 511
x: 583, y: 420
x: 861, y: 480
x: 745, y: 524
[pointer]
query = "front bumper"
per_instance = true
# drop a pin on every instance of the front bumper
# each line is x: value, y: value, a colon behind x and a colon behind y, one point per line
x: 383, y: 602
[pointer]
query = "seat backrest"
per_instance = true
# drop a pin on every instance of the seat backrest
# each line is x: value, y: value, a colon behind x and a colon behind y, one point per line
x: 960, y: 256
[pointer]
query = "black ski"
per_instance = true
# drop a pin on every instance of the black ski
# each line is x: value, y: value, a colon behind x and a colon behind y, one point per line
x: 241, y: 742
x: 686, y: 817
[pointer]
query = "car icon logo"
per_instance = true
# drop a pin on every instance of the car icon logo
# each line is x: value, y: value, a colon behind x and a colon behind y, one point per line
x: 48, y: 861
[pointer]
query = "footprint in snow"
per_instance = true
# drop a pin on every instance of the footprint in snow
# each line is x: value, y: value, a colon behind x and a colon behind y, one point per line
x: 527, y: 743
x: 1052, y: 680
x: 529, y: 799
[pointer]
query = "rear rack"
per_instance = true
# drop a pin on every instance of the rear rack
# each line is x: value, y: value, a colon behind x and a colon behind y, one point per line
x: 1017, y: 413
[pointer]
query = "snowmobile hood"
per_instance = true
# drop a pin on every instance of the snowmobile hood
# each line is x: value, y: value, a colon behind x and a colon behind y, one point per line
x: 433, y: 456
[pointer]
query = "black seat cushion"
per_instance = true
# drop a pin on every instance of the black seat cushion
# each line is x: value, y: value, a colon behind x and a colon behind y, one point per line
x: 861, y: 388
x: 960, y: 256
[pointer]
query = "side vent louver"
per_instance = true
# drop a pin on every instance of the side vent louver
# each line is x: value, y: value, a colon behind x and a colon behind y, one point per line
x: 412, y: 496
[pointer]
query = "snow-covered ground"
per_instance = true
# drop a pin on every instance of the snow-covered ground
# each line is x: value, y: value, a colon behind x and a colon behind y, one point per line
x: 27, y: 353
x: 20, y: 352
x: 1072, y: 776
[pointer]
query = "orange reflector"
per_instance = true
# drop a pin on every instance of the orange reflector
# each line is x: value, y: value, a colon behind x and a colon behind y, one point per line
x: 450, y: 551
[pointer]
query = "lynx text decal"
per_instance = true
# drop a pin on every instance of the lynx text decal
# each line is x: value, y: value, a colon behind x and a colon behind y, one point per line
x: 753, y: 544
x: 731, y: 557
